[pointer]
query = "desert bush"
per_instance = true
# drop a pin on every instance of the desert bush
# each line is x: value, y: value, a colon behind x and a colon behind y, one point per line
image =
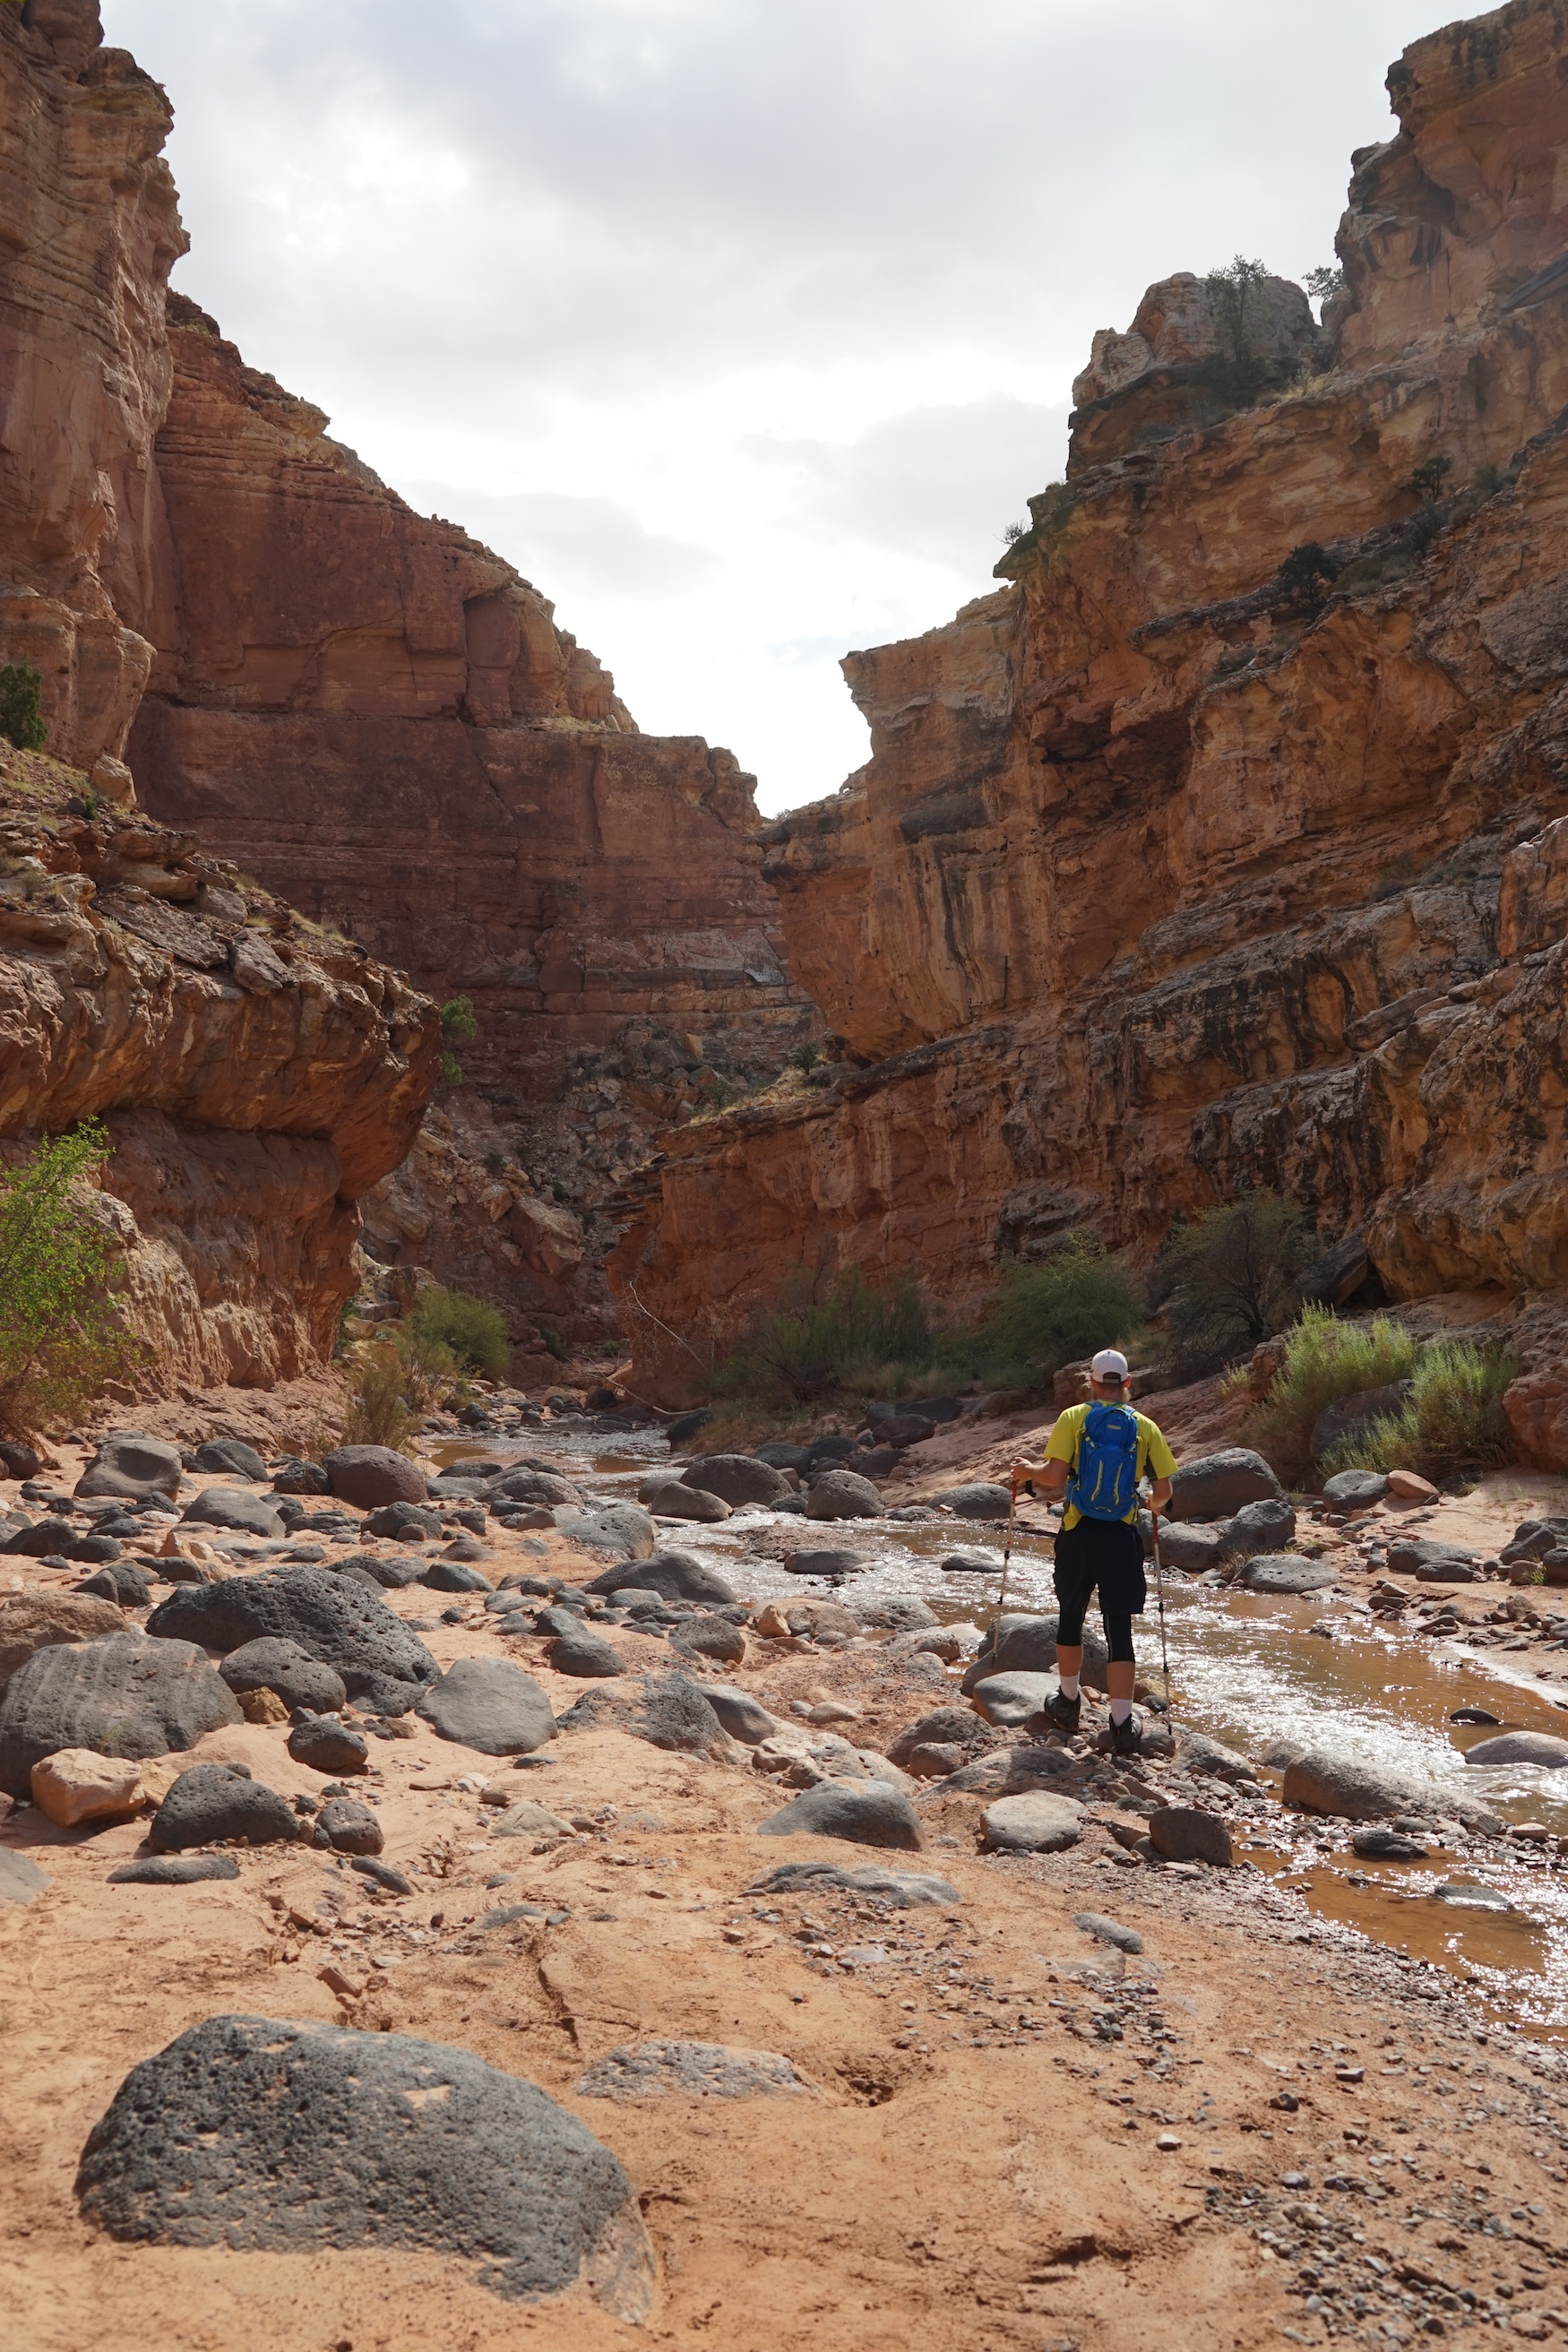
x: 1229, y: 1280
x: 21, y: 720
x: 1325, y: 1360
x: 62, y: 1331
x: 826, y: 1335
x: 1452, y: 1421
x: 380, y: 1410
x: 1048, y: 1312
x: 471, y: 1331
x: 457, y: 1018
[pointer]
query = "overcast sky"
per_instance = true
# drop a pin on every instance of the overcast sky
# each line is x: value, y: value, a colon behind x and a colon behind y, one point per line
x: 742, y: 327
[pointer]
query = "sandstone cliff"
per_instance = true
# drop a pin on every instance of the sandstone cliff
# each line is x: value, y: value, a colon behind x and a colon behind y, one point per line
x: 256, y: 1074
x: 1167, y: 877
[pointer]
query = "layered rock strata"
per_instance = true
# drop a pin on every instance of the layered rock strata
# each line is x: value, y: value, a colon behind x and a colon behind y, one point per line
x: 254, y: 1072
x: 1170, y: 875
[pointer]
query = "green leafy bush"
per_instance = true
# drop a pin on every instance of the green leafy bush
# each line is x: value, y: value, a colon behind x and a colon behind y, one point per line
x: 62, y: 1333
x: 1452, y: 1421
x: 1050, y: 1312
x: 823, y: 1336
x: 471, y: 1330
x: 21, y: 720
x: 1325, y: 1360
x: 1230, y: 1280
x: 459, y: 1019
x: 450, y: 1069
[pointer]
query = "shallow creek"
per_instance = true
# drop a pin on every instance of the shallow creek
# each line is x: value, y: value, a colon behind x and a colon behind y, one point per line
x: 1250, y: 1672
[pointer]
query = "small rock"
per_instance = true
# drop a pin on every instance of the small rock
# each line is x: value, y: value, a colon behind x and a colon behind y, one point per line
x: 972, y: 1561
x: 707, y: 2070
x: 1376, y: 1842
x: 1191, y: 1548
x: 1168, y: 2142
x: 1109, y: 1931
x: 328, y: 1745
x: 1181, y: 1833
x: 1407, y: 1487
x: 1432, y: 1562
x: 624, y: 1530
x: 214, y: 1803
x: 829, y: 1563
x: 673, y: 1575
x: 173, y: 1870
x: 77, y: 1784
x: 741, y: 1716
x: 133, y: 1468
x: 454, y: 1576
x: 527, y: 1820
x: 351, y: 1827
x: 383, y: 1873
x: 1009, y: 1701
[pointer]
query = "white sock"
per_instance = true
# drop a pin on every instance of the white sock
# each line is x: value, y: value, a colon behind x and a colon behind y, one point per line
x: 1120, y: 1708
x: 1069, y: 1685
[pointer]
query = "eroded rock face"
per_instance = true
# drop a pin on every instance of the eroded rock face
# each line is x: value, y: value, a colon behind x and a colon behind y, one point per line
x: 1161, y: 883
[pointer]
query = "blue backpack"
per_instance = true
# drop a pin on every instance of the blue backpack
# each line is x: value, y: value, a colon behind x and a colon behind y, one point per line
x: 1104, y: 1481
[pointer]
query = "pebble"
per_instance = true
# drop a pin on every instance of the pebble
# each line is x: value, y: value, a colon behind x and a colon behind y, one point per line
x: 1168, y: 2142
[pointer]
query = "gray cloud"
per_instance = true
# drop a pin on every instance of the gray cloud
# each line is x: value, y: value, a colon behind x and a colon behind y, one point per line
x: 591, y: 547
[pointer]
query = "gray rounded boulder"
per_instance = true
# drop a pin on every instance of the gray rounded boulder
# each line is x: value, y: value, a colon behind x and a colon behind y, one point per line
x: 133, y: 1468
x: 299, y: 1680
x: 736, y: 1478
x: 862, y: 1812
x: 1538, y: 1748
x: 843, y: 1494
x: 1034, y: 1823
x: 624, y: 1531
x: 215, y: 1804
x: 981, y: 1499
x: 1218, y: 1486
x: 231, y: 1506
x: 1266, y: 1525
x: 668, y: 1497
x: 368, y: 1475
x: 275, y: 2137
x: 230, y: 1456
x: 491, y: 1705
x: 121, y: 1695
x: 673, y: 1575
x: 1286, y: 1572
x: 333, y: 1618
x: 1355, y: 1490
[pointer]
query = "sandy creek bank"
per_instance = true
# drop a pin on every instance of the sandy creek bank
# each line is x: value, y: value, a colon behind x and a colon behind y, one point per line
x: 1368, y: 2145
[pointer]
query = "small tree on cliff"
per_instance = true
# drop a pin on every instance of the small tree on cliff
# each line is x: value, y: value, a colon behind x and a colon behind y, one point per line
x: 62, y: 1334
x: 458, y: 1024
x: 21, y: 721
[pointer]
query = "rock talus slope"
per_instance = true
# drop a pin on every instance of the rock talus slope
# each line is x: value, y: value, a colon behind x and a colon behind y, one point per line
x: 1164, y: 879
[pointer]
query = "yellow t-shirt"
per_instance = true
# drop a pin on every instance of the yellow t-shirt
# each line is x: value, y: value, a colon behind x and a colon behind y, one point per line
x: 1155, y: 1456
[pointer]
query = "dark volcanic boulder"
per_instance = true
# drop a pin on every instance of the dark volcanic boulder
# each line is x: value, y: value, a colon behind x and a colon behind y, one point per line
x: 741, y: 1716
x: 736, y: 1478
x: 263, y: 2137
x: 121, y: 1695
x: 55, y: 1540
x: 229, y: 1456
x: 214, y: 1804
x: 295, y: 1477
x: 299, y: 1680
x: 843, y: 1494
x: 491, y: 1705
x: 668, y: 1711
x: 455, y: 1576
x: 16, y: 1460
x: 864, y: 1813
x: 404, y: 1522
x: 173, y: 1870
x: 710, y: 1637
x: 673, y: 1575
x: 667, y: 1498
x: 328, y: 1745
x: 333, y: 1618
x: 134, y: 1467
x: 527, y: 1484
x: 392, y: 1570
x: 231, y: 1506
x: 622, y: 1530
x: 1266, y: 1525
x: 1215, y: 1486
x: 368, y: 1475
x: 1431, y: 1561
x: 1355, y: 1490
x: 122, y: 1582
x: 579, y: 1650
x: 1286, y: 1572
x: 350, y: 1827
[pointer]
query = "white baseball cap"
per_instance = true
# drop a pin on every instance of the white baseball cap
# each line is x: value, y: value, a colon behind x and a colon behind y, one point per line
x: 1111, y: 1364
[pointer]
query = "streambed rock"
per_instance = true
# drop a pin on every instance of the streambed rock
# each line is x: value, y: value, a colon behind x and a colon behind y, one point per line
x: 1184, y: 1834
x: 221, y: 1804
x: 745, y: 1718
x: 736, y: 1478
x: 704, y: 2069
x: 843, y: 1494
x: 1431, y: 1561
x: 1538, y: 1748
x: 668, y: 1711
x: 369, y: 1476
x: 1218, y: 1486
x: 233, y: 1507
x: 980, y: 1499
x: 132, y: 1468
x: 667, y: 1498
x: 673, y: 1575
x: 863, y: 1813
x: 121, y: 1695
x: 1266, y: 1525
x: 1036, y: 1821
x: 1286, y: 1572
x: 623, y: 1529
x: 1011, y: 1700
x: 490, y: 1703
x: 334, y: 1619
x: 1345, y: 1788
x: 285, y: 2137
x: 301, y: 1681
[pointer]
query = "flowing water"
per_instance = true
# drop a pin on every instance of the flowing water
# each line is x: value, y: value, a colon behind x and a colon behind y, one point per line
x: 1250, y: 1672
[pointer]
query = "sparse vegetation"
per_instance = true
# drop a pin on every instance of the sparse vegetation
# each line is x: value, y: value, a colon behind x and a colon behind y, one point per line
x: 1229, y: 1280
x: 470, y: 1329
x: 458, y: 1020
x: 380, y: 1412
x: 1050, y: 1312
x: 1013, y: 532
x: 1453, y: 1421
x: 718, y: 1092
x: 806, y: 1056
x: 825, y: 1334
x: 1237, y: 370
x: 1429, y: 478
x: 62, y: 1332
x: 1305, y: 578
x: 450, y: 1070
x: 1326, y: 1360
x: 21, y: 720
x: 1323, y: 283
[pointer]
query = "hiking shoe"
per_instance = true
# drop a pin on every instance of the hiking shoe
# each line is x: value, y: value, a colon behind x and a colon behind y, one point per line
x: 1125, y: 1737
x: 1063, y: 1711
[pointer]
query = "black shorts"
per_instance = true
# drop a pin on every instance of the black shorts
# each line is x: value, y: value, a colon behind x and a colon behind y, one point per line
x: 1104, y: 1552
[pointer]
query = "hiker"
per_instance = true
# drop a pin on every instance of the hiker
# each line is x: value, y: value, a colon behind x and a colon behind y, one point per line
x: 1096, y: 1453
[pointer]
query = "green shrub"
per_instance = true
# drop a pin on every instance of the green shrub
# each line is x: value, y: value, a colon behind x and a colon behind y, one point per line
x: 1230, y: 1280
x: 1452, y: 1421
x: 380, y: 1412
x: 806, y: 1056
x: 1324, y: 282
x: 62, y: 1333
x: 1430, y: 477
x: 1050, y: 1312
x: 21, y: 722
x: 825, y: 1337
x: 450, y: 1070
x: 472, y: 1330
x: 1325, y: 1360
x: 1305, y: 577
x: 459, y: 1019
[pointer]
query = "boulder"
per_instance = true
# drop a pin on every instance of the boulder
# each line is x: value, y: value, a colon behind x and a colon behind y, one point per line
x: 1538, y: 1748
x: 328, y: 1745
x: 447, y: 1575
x: 702, y: 2070
x: 1028, y: 1646
x: 1268, y: 1525
x: 736, y: 1478
x: 1376, y: 1842
x: 1347, y: 1416
x: 683, y: 1426
x: 392, y: 1570
x: 780, y: 1456
x: 582, y: 1651
x: 1287, y: 1571
x: 528, y: 1485
x: 490, y: 1703
x: 1218, y: 1486
x: 369, y: 1476
x: 745, y: 1718
x: 133, y: 1467
x: 832, y: 1563
x: 40, y: 1621
x: 350, y: 1827
x: 1189, y: 1546
x: 1432, y: 1562
x: 827, y: 1622
x: 824, y: 1452
x: 668, y: 1498
x: 332, y: 1618
x: 269, y: 2138
x: 20, y: 1879
x: 843, y: 1494
x: 231, y: 1506
x: 220, y: 1804
x: 403, y: 1522
x: 673, y: 1575
x: 77, y: 1784
x: 1347, y: 1789
x: 122, y: 1582
x: 893, y: 1614
x: 975, y: 1559
x: 1011, y: 1700
x: 1355, y: 1490
x: 1182, y: 1834
x: 16, y: 1460
x: 668, y: 1711
x: 862, y: 1812
x: 718, y: 1638
x: 1034, y: 1822
x: 121, y: 1695
x: 173, y: 1870
x: 946, y: 1725
x: 979, y: 1500
x: 624, y: 1531
x: 295, y: 1477
x: 55, y: 1538
x: 229, y: 1457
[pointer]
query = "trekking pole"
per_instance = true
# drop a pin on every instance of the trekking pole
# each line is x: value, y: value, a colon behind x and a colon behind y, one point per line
x: 1007, y: 1556
x: 1160, y: 1594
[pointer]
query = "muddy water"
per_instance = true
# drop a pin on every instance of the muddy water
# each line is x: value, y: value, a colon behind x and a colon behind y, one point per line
x: 1251, y: 1671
